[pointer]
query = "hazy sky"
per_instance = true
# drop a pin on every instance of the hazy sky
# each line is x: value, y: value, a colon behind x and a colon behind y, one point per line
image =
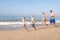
x: 29, y: 7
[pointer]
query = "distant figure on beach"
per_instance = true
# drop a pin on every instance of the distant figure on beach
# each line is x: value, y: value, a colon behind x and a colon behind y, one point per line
x: 52, y: 18
x: 33, y: 22
x: 43, y: 19
x: 23, y: 23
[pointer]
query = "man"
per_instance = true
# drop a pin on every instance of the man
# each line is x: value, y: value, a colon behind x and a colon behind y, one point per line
x: 52, y: 18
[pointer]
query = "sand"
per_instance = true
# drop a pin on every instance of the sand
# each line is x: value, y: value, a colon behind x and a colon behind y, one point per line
x: 49, y: 33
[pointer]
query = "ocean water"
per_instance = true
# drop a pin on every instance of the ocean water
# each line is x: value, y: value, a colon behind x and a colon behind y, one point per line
x: 9, y: 17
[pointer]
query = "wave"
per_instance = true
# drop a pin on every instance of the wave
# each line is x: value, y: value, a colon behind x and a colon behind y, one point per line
x: 27, y: 22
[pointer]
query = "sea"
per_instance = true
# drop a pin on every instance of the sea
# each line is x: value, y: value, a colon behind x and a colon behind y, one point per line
x: 13, y: 22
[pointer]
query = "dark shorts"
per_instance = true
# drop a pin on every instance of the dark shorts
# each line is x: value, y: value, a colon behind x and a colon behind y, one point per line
x: 52, y: 20
x: 33, y: 25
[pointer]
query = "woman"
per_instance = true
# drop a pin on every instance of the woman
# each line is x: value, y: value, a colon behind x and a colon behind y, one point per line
x: 43, y: 19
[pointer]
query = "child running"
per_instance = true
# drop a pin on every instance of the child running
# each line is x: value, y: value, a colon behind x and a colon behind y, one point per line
x: 23, y: 23
x: 33, y: 22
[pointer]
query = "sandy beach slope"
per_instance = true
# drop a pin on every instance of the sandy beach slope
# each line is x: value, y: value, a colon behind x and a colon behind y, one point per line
x: 51, y: 33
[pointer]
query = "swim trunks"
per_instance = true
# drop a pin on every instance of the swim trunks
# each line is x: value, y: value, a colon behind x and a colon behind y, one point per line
x: 52, y: 20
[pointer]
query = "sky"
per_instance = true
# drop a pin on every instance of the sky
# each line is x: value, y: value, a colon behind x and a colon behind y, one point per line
x: 29, y: 7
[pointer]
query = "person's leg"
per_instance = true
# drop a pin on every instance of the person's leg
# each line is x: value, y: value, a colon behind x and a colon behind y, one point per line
x: 42, y: 23
x: 33, y: 25
x: 45, y: 23
x: 54, y: 22
x: 50, y: 21
x: 24, y: 26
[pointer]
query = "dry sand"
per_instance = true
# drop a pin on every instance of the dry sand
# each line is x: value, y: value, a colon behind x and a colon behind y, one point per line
x: 52, y: 33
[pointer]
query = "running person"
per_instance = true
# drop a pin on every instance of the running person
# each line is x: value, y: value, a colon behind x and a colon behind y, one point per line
x: 33, y: 22
x: 52, y: 18
x: 43, y: 19
x: 23, y: 23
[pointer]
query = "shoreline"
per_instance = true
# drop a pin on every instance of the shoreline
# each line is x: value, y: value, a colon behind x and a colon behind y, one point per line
x: 18, y: 27
x: 52, y: 33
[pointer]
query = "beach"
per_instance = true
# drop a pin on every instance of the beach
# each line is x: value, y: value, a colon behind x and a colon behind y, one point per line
x: 44, y: 33
x: 29, y: 19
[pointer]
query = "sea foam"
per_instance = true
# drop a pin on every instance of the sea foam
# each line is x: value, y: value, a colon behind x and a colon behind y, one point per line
x: 27, y: 22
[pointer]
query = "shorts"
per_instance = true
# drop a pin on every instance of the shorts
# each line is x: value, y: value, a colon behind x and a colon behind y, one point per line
x: 52, y: 20
x: 33, y: 25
